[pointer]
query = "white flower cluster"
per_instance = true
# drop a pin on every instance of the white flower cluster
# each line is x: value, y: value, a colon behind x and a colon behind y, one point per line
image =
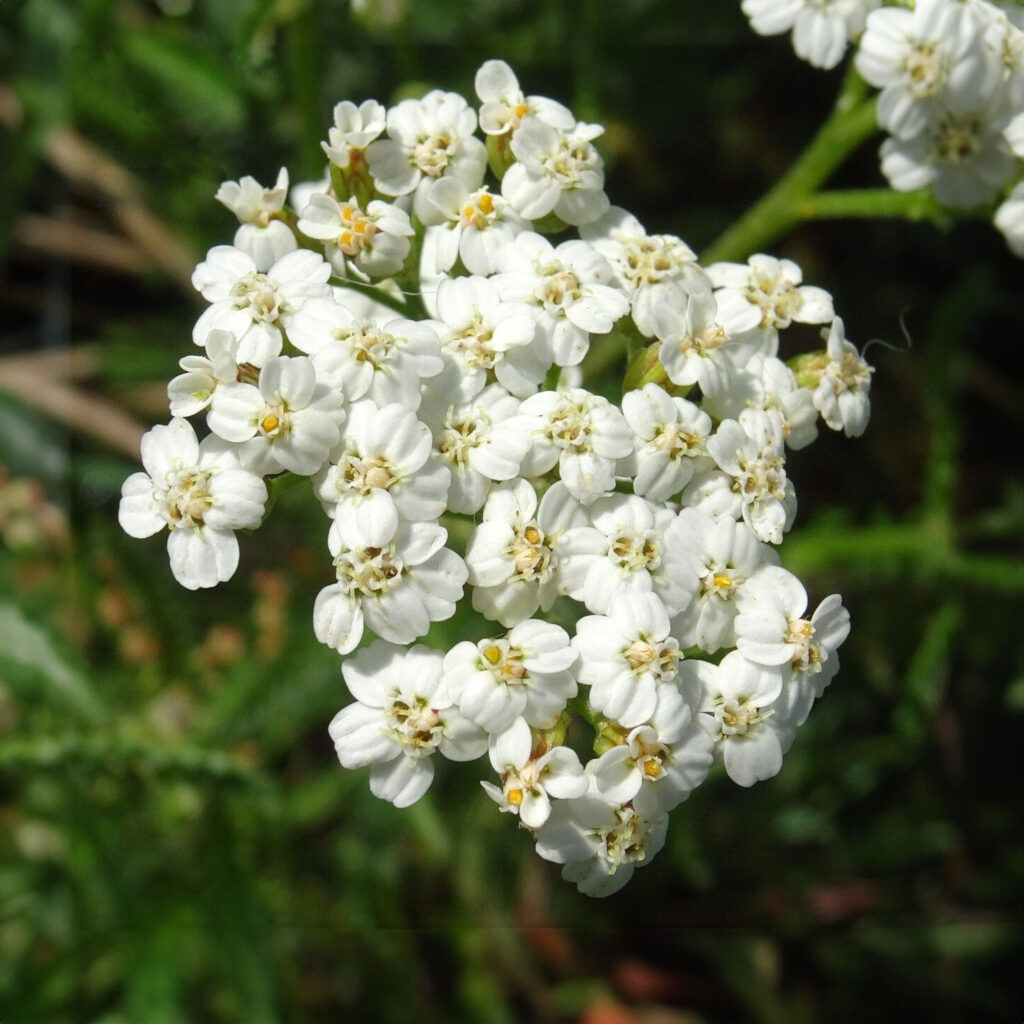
x: 951, y: 75
x: 409, y: 338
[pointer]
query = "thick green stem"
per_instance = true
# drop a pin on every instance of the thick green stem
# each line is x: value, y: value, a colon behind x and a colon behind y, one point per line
x: 851, y: 122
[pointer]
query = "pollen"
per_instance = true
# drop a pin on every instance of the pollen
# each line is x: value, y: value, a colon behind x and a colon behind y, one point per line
x: 522, y: 110
x: 269, y: 423
x: 532, y: 535
x: 515, y: 797
x: 721, y: 579
x: 652, y: 768
x: 493, y: 654
x: 486, y: 202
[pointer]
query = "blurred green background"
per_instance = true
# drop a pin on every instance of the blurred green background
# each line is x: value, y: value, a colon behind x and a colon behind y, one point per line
x: 177, y: 841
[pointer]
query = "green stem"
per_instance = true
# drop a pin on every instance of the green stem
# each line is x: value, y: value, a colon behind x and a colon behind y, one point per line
x: 852, y: 120
x: 871, y: 202
x: 377, y: 294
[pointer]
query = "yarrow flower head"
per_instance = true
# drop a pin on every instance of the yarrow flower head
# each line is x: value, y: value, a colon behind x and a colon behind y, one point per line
x: 411, y: 336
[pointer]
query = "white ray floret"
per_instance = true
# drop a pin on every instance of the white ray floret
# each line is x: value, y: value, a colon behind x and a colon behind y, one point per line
x: 261, y: 233
x: 403, y: 714
x: 201, y: 494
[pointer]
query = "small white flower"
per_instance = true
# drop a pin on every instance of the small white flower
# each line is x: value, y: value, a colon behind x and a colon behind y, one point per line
x: 484, y: 333
x: 201, y: 493
x: 916, y: 56
x: 666, y: 758
x: 821, y: 28
x: 354, y: 129
x: 385, y: 450
x: 369, y: 243
x: 427, y: 139
x: 626, y: 550
x: 524, y: 674
x: 752, y: 452
x: 557, y: 171
x: 256, y: 306
x: 735, y: 707
x: 402, y: 716
x: 773, y: 288
x: 362, y: 358
x: 725, y: 554
x: 289, y: 422
x: 600, y: 843
x: 625, y: 656
x: 771, y: 630
x: 513, y: 554
x: 696, y: 341
x: 468, y: 439
x: 472, y: 226
x: 842, y: 395
x: 583, y: 434
x: 192, y: 391
x: 261, y: 234
x: 396, y: 577
x: 504, y: 105
x: 670, y: 435
x: 529, y: 782
x: 649, y: 268
x: 572, y: 287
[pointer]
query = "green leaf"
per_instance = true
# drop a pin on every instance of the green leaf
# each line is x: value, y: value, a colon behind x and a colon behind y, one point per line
x: 30, y: 660
x: 192, y: 80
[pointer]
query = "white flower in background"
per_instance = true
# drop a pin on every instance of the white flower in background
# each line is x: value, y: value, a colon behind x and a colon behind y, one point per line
x: 670, y: 435
x: 472, y: 226
x: 503, y: 105
x: 583, y: 434
x: 513, y: 555
x: 752, y: 452
x: 524, y: 674
x: 261, y: 234
x: 394, y: 576
x: 725, y: 554
x: 427, y: 139
x: 696, y: 341
x: 256, y: 306
x: 572, y: 288
x: 771, y: 630
x: 649, y: 268
x: 916, y: 56
x: 483, y: 333
x: 385, y: 450
x: 736, y: 702
x: 600, y: 843
x: 289, y: 422
x: 192, y: 391
x: 468, y: 440
x: 354, y: 129
x: 961, y: 153
x: 626, y: 550
x: 821, y: 28
x: 200, y: 492
x: 667, y: 757
x: 529, y: 783
x: 1009, y: 219
x: 367, y: 243
x: 842, y: 395
x: 557, y: 172
x: 362, y: 358
x: 771, y: 287
x: 402, y: 716
x: 625, y: 656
